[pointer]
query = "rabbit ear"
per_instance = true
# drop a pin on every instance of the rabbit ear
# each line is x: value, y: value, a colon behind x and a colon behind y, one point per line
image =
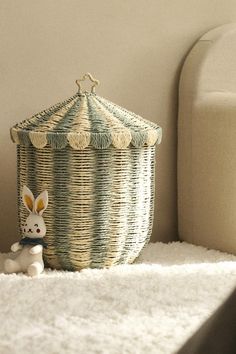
x: 41, y: 203
x: 28, y: 199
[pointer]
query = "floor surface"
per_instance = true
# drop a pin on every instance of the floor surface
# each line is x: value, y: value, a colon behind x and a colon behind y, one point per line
x: 152, y: 306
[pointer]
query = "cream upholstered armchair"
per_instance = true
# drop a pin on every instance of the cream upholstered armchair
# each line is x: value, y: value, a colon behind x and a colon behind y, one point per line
x: 207, y: 142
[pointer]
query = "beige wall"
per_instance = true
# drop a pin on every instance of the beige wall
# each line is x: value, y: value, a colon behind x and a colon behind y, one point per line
x: 136, y: 49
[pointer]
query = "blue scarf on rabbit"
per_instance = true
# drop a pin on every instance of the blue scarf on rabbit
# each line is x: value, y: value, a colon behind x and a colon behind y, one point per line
x: 28, y: 241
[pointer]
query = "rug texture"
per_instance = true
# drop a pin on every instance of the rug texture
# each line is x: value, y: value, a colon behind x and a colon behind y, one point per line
x: 152, y: 306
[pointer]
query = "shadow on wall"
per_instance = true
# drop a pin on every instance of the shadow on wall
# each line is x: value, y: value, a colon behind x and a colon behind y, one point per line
x: 8, y: 195
x: 154, y: 100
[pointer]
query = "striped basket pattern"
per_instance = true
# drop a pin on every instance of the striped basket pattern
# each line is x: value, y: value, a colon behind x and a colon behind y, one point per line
x: 97, y: 162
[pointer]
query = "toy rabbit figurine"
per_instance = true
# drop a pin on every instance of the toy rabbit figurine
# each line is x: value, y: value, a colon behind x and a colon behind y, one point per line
x: 30, y: 256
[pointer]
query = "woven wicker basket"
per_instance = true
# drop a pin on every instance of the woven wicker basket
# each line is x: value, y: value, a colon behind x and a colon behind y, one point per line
x: 96, y: 160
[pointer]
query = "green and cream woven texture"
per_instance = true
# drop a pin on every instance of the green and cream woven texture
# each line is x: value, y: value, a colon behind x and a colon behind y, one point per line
x: 96, y: 160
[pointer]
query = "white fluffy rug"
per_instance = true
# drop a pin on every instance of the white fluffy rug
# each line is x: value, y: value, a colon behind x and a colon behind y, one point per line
x: 148, y: 307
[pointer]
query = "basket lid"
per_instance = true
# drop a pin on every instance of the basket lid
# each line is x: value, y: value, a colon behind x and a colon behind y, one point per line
x: 86, y: 119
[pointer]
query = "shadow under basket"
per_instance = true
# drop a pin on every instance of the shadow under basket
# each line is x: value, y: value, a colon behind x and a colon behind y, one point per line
x: 97, y: 162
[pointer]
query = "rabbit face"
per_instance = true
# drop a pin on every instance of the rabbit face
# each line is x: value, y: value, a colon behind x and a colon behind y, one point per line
x: 34, y: 226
